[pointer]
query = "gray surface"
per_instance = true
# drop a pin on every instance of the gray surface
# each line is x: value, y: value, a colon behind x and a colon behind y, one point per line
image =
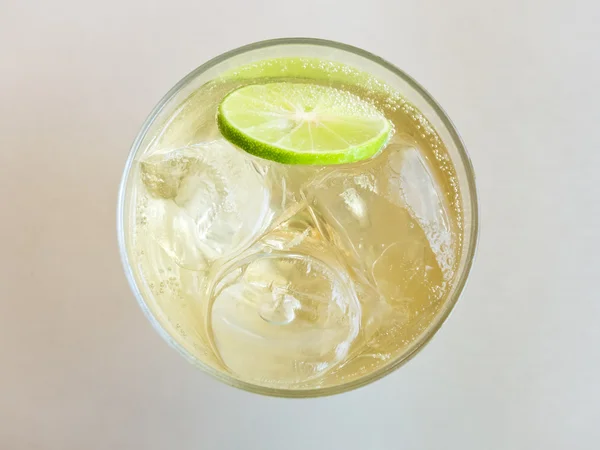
x: 516, y: 366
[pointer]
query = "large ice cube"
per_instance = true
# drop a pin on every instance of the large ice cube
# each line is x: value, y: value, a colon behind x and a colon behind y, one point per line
x: 207, y: 201
x: 363, y: 210
x: 286, y: 312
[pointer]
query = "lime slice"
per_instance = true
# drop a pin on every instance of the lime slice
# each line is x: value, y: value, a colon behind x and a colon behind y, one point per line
x: 299, y: 123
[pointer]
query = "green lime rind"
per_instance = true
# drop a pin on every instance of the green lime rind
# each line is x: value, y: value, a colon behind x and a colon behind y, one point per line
x: 300, y: 123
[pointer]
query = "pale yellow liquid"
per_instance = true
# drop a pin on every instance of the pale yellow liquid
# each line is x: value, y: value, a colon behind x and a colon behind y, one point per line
x: 294, y: 276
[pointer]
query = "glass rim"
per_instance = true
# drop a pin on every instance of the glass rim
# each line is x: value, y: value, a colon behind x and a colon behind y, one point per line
x: 449, y: 303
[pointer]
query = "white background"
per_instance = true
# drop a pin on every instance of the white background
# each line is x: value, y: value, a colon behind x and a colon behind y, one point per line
x: 517, y: 366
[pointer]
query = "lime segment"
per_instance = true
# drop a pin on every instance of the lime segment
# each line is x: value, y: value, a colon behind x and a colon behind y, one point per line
x: 299, y: 123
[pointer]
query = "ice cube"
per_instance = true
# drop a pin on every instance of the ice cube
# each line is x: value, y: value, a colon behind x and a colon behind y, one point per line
x: 285, y: 310
x: 283, y: 318
x: 364, y: 214
x: 370, y: 212
x: 410, y: 182
x: 208, y: 201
